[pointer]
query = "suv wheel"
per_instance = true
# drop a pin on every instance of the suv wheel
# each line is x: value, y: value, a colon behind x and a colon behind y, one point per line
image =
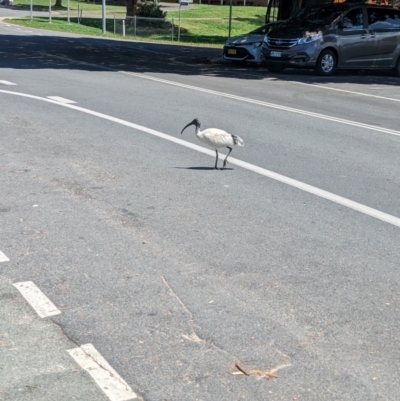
x: 275, y: 67
x: 326, y: 64
x: 396, y: 70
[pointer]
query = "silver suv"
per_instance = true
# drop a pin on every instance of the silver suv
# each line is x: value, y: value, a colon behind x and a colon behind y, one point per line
x: 336, y: 36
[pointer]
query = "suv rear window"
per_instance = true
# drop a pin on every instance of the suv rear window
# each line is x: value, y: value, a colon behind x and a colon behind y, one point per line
x: 381, y: 18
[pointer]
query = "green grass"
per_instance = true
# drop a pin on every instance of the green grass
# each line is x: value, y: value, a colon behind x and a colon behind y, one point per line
x: 200, y: 24
x: 92, y: 7
x: 215, y: 28
x: 216, y: 11
x: 91, y: 26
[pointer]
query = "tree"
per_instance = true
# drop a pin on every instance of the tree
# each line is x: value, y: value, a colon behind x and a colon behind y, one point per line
x: 131, y: 6
x: 58, y: 4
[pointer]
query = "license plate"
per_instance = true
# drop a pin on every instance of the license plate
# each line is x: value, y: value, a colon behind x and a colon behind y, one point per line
x: 276, y: 54
x: 231, y: 51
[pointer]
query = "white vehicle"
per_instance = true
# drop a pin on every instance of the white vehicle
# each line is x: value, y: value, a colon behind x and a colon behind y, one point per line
x: 247, y: 47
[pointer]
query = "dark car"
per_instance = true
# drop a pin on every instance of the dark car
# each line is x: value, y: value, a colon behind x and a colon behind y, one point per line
x: 246, y: 47
x: 336, y: 36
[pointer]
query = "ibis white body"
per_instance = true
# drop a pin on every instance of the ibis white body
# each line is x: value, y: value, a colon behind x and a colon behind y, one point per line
x: 216, y: 138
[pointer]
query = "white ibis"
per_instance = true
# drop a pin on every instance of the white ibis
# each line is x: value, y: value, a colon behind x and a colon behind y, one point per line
x: 216, y: 138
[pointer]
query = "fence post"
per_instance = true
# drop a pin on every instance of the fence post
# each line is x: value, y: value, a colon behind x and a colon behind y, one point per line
x: 179, y: 22
x: 230, y: 19
x: 134, y: 26
x: 68, y: 13
x: 172, y: 30
x: 115, y: 24
x: 123, y: 28
x: 103, y: 17
x: 78, y: 15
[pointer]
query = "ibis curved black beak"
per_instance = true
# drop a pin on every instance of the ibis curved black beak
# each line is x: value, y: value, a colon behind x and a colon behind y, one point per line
x: 195, y: 122
x: 191, y: 123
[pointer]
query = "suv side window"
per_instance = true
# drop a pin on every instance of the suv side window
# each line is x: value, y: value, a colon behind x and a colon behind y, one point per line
x: 380, y: 18
x: 353, y: 20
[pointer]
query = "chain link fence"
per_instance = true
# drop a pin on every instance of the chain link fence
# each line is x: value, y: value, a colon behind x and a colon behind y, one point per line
x: 141, y: 27
x: 166, y: 29
x: 157, y: 29
x: 170, y: 29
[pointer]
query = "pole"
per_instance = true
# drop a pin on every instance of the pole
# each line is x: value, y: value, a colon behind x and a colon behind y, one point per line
x: 68, y: 13
x: 230, y: 19
x: 103, y: 15
x: 31, y: 9
x: 49, y: 11
x: 179, y: 23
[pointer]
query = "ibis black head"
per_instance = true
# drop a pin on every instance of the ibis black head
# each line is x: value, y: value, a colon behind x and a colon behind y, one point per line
x: 195, y: 122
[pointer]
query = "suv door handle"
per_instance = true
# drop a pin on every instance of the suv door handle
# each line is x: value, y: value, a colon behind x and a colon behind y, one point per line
x: 363, y: 36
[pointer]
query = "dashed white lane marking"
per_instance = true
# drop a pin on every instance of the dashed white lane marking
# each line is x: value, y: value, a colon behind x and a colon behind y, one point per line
x: 115, y: 388
x: 267, y: 173
x: 3, y: 258
x: 7, y: 83
x: 42, y: 305
x: 61, y: 99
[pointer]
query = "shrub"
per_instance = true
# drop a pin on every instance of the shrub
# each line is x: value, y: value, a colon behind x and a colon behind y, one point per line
x: 150, y: 10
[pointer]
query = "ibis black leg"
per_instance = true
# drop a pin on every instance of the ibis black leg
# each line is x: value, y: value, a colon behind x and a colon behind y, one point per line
x: 216, y: 160
x: 226, y: 158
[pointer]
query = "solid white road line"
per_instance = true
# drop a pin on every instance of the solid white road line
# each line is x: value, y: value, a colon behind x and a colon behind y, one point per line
x: 267, y: 104
x: 115, y: 388
x: 3, y: 258
x: 61, y: 99
x: 320, y: 192
x: 267, y: 173
x: 347, y: 91
x: 240, y: 98
x: 7, y: 83
x: 42, y: 305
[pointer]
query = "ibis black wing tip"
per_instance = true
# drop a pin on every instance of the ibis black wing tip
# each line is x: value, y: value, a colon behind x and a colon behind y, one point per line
x: 237, y: 140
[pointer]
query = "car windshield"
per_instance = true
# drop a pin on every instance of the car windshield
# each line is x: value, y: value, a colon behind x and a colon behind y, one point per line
x: 316, y: 15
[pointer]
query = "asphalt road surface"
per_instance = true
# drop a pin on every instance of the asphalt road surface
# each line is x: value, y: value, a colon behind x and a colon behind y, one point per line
x: 276, y: 279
